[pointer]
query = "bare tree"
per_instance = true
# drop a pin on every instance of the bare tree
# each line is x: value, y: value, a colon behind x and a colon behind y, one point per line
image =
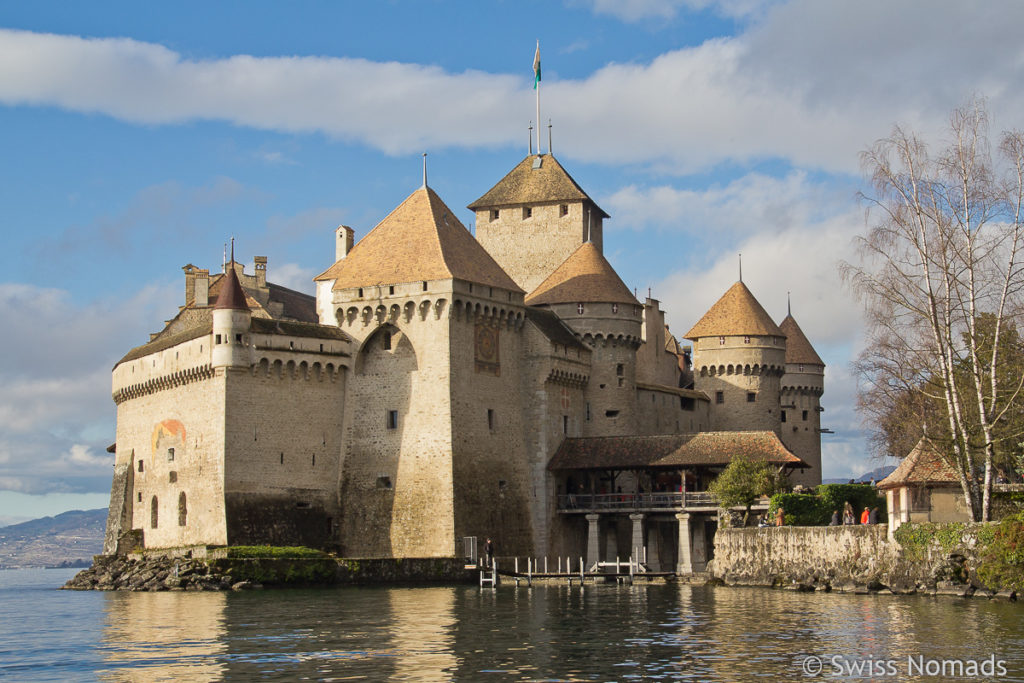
x: 943, y: 250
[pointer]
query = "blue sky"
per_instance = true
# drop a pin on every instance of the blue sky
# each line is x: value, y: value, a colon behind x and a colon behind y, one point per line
x: 136, y: 139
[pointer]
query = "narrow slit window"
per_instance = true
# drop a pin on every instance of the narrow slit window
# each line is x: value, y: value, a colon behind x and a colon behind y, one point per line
x: 719, y: 397
x: 392, y: 419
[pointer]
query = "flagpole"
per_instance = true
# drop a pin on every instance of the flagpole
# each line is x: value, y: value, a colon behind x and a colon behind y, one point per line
x: 536, y: 86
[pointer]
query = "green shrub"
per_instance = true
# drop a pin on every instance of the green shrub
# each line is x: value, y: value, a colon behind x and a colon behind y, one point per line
x: 1002, y: 560
x: 860, y: 496
x: 800, y: 509
x: 273, y: 551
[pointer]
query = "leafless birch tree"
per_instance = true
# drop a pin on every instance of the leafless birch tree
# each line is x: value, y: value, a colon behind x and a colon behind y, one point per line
x: 942, y: 252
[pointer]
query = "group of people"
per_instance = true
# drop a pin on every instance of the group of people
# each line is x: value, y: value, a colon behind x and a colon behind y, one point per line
x: 867, y: 516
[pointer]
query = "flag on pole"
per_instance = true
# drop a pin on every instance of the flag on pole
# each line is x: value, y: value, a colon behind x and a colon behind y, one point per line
x: 536, y: 67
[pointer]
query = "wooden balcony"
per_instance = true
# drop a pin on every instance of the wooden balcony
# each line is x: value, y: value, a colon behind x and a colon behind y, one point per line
x: 687, y: 501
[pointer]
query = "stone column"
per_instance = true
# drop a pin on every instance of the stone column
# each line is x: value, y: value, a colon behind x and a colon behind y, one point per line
x: 593, y: 540
x: 684, y: 563
x: 654, y: 547
x: 636, y: 544
x: 700, y: 551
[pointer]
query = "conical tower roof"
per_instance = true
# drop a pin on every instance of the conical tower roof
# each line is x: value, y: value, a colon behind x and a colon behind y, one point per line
x: 231, y: 295
x: 538, y: 178
x: 798, y: 348
x: 420, y: 240
x: 736, y: 313
x: 586, y: 276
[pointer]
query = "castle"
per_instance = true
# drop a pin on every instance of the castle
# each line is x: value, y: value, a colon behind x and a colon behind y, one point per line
x: 442, y: 386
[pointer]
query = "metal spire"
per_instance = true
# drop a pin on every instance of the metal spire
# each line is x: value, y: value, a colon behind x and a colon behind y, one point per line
x: 549, y: 136
x: 741, y: 267
x: 424, y: 169
x: 529, y: 143
x: 789, y: 306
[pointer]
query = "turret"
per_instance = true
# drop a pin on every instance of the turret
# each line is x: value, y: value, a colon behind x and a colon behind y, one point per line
x: 231, y: 322
x: 802, y: 387
x: 739, y: 360
x: 589, y: 297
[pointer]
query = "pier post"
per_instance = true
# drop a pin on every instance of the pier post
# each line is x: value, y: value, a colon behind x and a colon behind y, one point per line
x: 593, y: 539
x: 684, y: 564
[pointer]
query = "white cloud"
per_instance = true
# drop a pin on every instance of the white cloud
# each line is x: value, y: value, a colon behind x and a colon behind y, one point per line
x: 809, y: 82
x: 637, y: 10
x: 56, y: 410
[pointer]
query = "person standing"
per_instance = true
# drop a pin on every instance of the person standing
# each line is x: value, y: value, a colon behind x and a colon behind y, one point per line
x: 864, y: 515
x: 780, y: 517
x: 873, y: 516
x: 848, y: 518
x: 835, y: 518
x: 489, y: 552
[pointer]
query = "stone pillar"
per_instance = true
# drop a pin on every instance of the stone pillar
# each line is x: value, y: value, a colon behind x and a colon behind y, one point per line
x: 684, y: 563
x: 654, y: 547
x: 593, y: 540
x: 700, y: 551
x: 636, y: 544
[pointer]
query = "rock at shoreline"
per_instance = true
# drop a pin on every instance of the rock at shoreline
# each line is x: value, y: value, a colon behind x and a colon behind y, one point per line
x: 150, y: 574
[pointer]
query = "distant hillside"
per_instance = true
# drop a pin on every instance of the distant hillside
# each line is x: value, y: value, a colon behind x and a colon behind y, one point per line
x: 69, y: 539
x: 878, y: 474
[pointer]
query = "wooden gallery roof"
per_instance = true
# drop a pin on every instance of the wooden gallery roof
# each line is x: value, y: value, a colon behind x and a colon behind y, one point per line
x: 671, y: 451
x: 923, y: 465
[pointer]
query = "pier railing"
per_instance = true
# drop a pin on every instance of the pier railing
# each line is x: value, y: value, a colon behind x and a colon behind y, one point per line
x: 600, y: 502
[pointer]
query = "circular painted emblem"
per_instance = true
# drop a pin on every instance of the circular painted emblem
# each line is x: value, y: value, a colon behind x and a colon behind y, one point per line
x: 485, y: 343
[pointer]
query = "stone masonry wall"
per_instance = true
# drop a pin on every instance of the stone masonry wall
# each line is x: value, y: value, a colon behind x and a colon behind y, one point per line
x: 530, y: 249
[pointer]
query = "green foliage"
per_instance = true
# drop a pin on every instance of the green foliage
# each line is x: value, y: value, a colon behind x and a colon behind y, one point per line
x: 800, y: 509
x: 742, y: 482
x: 860, y: 496
x: 1002, y: 559
x: 273, y: 551
x: 915, y: 538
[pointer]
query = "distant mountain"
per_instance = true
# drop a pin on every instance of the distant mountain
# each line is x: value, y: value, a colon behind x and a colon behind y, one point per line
x: 69, y: 539
x: 878, y: 474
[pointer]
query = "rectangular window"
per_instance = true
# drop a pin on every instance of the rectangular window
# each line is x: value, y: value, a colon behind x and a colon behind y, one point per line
x: 217, y: 339
x: 170, y: 455
x: 386, y: 341
x: 751, y: 397
x: 172, y: 477
x: 619, y: 370
x: 527, y: 212
x: 391, y: 289
x: 565, y: 424
x: 563, y: 210
x: 494, y: 214
x: 719, y: 397
x: 490, y: 418
x: 392, y: 419
x: 588, y: 412
x: 238, y: 338
x: 805, y: 416
x: 783, y: 415
x: 140, y: 466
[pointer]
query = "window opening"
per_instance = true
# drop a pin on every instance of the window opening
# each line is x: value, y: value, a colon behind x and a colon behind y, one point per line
x: 751, y: 397
x: 182, y: 509
x: 719, y: 397
x: 392, y: 419
x: 153, y: 515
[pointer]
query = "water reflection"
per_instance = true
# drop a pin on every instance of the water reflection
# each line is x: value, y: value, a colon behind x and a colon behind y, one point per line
x: 163, y: 636
x: 554, y: 632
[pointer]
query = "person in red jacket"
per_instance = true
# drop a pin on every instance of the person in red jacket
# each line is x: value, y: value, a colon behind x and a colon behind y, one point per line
x: 864, y: 516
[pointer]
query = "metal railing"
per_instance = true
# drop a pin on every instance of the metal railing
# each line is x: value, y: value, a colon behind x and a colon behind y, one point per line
x: 636, y: 501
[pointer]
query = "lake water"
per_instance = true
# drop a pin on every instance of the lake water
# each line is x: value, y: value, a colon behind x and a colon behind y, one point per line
x: 602, y: 632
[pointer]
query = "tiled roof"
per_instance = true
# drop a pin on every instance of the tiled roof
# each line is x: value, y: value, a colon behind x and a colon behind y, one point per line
x: 923, y: 465
x: 420, y: 240
x: 678, y: 391
x: 586, y: 276
x: 736, y: 313
x: 673, y: 450
x: 295, y: 305
x: 798, y: 348
x: 231, y: 295
x: 552, y: 327
x: 529, y: 184
x: 204, y: 326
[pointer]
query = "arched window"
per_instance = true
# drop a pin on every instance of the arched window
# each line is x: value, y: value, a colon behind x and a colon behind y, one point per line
x: 182, y: 509
x: 153, y: 512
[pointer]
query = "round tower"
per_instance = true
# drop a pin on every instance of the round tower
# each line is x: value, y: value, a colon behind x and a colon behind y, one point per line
x: 231, y: 321
x: 588, y: 295
x: 802, y: 387
x: 739, y: 360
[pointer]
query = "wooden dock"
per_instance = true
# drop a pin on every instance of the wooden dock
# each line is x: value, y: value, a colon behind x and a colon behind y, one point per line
x: 624, y: 571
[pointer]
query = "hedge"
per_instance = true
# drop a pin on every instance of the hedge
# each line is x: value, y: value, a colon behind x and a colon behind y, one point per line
x: 804, y: 509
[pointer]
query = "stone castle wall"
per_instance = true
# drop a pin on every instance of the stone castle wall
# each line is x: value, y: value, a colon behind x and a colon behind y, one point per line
x: 529, y: 249
x: 283, y: 452
x: 738, y: 369
x: 801, y: 408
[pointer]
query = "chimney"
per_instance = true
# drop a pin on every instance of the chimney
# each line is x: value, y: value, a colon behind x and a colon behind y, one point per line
x: 261, y: 271
x: 190, y: 282
x: 201, y: 287
x: 345, y: 239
